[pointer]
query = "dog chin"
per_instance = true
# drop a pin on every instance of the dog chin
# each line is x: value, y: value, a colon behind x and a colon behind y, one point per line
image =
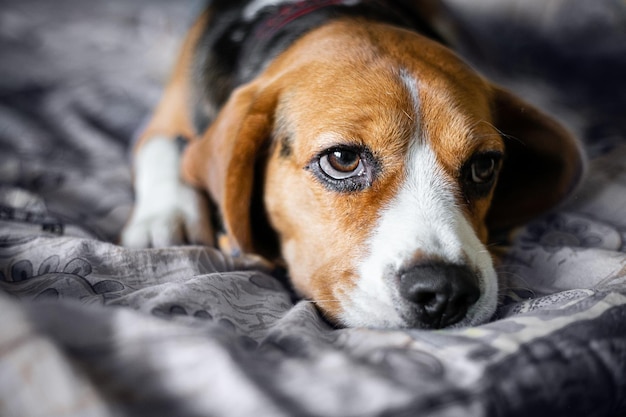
x: 394, y: 319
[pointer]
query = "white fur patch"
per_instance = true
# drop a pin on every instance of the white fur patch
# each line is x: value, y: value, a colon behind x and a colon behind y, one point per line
x: 167, y: 211
x: 423, y: 219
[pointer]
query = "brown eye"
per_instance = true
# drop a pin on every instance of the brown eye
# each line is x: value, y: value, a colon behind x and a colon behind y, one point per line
x: 483, y: 169
x: 341, y: 164
x: 478, y: 175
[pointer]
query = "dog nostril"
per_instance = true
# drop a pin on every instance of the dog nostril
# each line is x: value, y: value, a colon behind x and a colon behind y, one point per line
x: 425, y: 298
x: 441, y: 294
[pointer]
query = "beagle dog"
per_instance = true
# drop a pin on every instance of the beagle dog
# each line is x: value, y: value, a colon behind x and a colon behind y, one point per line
x: 345, y: 140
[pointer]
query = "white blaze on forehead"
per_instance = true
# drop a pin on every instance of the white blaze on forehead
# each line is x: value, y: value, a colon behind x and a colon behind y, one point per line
x: 423, y: 220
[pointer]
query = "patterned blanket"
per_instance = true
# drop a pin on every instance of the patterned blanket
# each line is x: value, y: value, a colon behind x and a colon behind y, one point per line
x: 88, y: 328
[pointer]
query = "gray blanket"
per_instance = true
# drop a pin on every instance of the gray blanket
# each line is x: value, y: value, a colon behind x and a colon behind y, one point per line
x: 89, y: 328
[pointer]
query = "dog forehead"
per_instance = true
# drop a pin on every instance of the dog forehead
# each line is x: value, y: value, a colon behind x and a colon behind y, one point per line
x: 377, y: 114
x: 383, y: 89
x: 388, y: 112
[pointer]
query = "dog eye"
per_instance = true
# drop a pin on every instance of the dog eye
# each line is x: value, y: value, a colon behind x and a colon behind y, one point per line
x: 341, y: 164
x: 345, y: 168
x: 483, y: 169
x: 479, y: 173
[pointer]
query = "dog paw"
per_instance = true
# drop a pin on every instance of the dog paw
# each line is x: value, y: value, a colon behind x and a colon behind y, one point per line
x: 174, y: 217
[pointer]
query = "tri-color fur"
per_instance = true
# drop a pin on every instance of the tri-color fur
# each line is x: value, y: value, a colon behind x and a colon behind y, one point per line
x: 336, y: 138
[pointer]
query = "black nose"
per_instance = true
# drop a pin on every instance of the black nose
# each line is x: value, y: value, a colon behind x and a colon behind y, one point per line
x: 440, y: 294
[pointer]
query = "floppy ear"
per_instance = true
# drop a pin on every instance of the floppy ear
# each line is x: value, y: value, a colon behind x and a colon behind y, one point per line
x: 229, y: 161
x: 543, y: 162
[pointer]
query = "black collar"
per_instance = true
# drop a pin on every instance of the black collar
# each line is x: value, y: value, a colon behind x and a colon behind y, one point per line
x: 283, y: 14
x: 272, y: 19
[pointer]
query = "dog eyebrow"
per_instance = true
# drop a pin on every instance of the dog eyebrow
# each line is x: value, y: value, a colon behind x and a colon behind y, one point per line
x: 285, y: 146
x: 282, y: 136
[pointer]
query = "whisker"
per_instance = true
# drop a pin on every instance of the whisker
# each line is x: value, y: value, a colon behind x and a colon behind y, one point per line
x: 519, y: 283
x: 501, y: 133
x: 486, y: 135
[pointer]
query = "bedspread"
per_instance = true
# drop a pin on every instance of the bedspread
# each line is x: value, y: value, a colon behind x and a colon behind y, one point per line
x: 89, y: 328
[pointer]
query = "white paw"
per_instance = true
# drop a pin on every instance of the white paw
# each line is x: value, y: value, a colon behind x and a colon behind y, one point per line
x: 175, y: 217
x: 167, y: 211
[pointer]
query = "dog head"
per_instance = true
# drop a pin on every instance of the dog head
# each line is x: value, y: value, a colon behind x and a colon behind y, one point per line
x: 381, y: 161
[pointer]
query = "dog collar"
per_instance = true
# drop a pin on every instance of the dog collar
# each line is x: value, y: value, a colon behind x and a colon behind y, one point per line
x: 283, y: 14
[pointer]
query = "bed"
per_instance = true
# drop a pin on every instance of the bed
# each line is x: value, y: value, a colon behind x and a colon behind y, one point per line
x: 89, y: 328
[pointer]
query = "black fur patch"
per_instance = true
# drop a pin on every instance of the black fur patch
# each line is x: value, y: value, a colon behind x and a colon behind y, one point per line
x: 233, y: 50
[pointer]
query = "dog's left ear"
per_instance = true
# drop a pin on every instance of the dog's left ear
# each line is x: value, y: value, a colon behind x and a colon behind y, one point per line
x: 229, y: 161
x: 543, y: 162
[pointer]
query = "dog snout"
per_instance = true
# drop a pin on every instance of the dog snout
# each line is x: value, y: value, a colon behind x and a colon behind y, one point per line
x: 439, y: 294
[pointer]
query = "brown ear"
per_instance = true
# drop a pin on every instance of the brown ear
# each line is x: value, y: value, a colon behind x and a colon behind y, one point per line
x: 228, y: 161
x: 543, y: 162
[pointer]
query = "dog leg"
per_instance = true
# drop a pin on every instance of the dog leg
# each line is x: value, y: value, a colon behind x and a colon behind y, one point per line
x: 168, y: 211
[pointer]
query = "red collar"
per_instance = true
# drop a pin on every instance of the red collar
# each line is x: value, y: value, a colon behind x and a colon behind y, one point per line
x: 289, y: 12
